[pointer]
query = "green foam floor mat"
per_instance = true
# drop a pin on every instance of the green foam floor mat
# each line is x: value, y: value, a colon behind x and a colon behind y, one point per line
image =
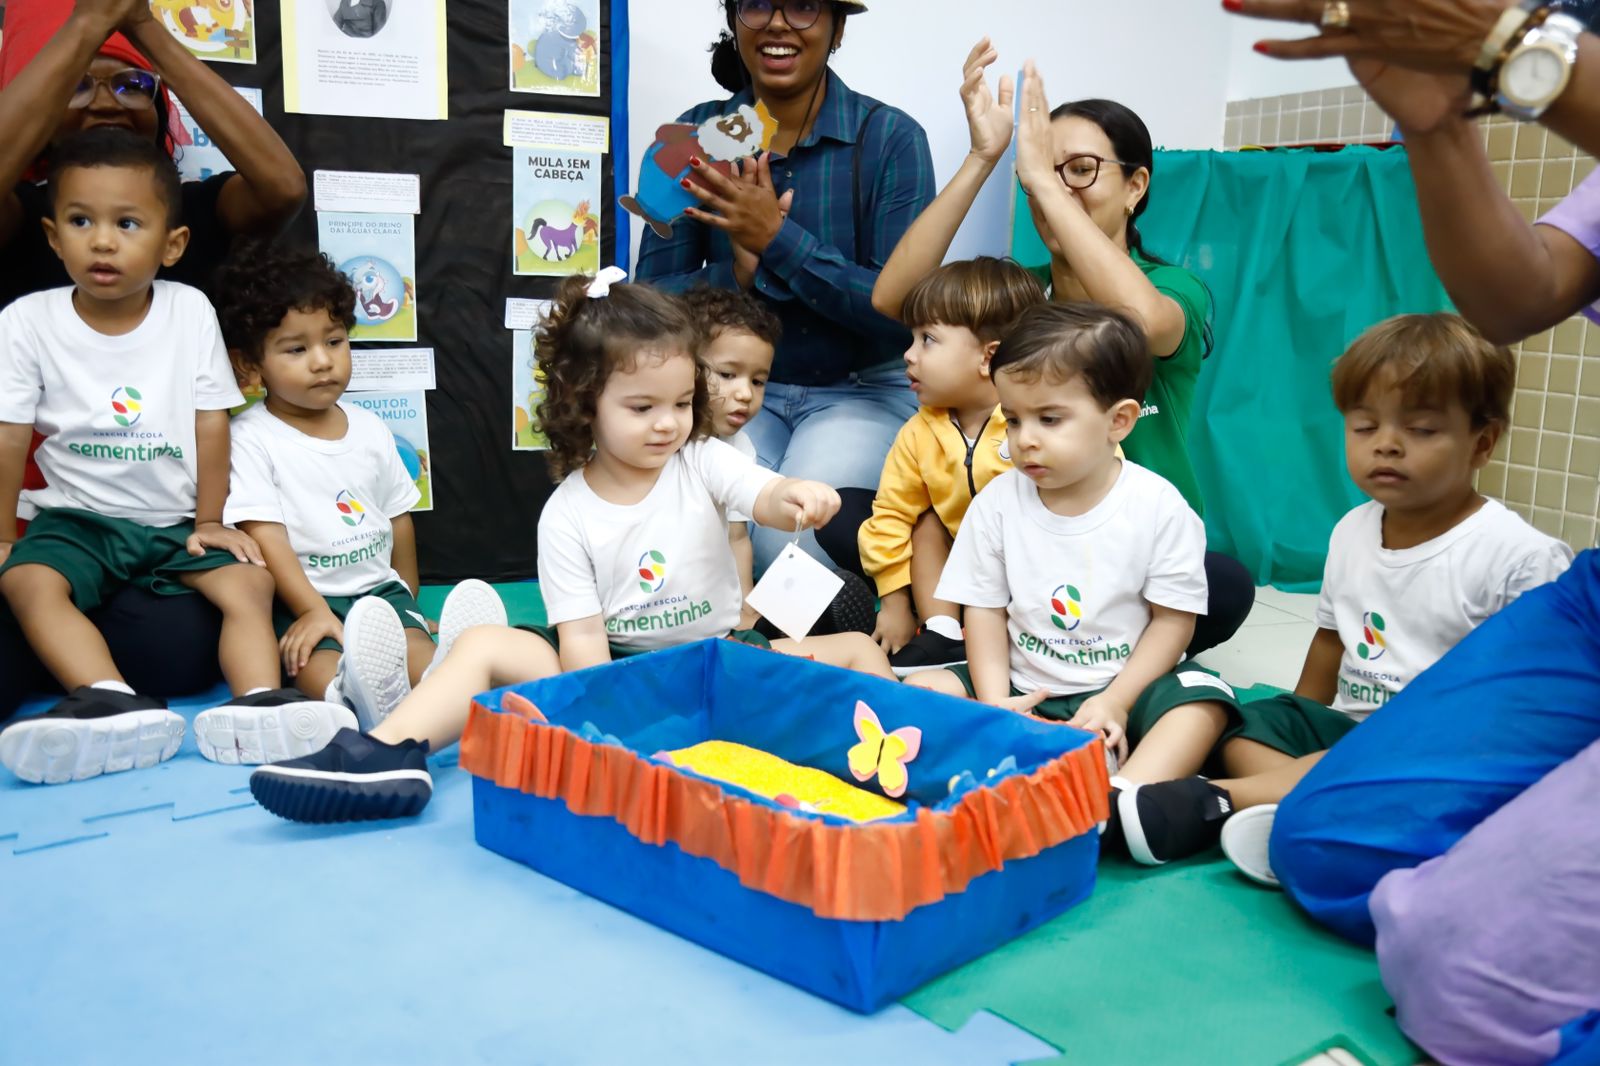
x: 524, y: 604
x: 1181, y: 964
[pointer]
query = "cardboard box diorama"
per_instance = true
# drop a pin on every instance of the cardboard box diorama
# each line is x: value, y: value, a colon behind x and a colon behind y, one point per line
x: 849, y: 835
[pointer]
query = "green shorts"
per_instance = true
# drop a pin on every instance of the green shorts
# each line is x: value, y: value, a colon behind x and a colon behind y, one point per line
x: 394, y: 593
x: 1183, y: 685
x: 619, y: 651
x: 1292, y: 724
x: 98, y: 555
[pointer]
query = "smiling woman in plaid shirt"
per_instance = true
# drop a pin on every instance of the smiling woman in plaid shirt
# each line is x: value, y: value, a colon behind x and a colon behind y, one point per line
x: 808, y: 235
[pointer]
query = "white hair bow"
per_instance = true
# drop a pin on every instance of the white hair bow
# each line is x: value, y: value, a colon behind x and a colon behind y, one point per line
x: 600, y: 287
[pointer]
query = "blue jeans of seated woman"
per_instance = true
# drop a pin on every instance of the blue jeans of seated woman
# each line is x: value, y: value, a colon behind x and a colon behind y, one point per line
x: 836, y: 434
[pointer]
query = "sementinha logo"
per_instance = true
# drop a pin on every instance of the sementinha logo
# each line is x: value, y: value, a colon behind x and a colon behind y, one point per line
x: 351, y: 510
x: 1373, y: 644
x: 652, y: 572
x: 1066, y: 608
x: 127, y: 405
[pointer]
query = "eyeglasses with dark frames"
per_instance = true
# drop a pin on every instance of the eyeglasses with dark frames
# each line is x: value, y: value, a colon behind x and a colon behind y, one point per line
x: 797, y: 14
x: 1082, y: 171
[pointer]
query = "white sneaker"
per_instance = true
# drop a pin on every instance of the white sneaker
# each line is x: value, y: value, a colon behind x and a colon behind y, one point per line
x: 471, y: 603
x: 91, y: 732
x: 373, y: 677
x: 268, y: 727
x: 1244, y: 840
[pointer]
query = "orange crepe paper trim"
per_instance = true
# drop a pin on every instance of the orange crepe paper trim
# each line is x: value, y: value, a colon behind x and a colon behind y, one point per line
x: 866, y: 873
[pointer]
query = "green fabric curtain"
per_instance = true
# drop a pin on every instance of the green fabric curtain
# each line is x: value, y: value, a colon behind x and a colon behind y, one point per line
x: 1302, y: 251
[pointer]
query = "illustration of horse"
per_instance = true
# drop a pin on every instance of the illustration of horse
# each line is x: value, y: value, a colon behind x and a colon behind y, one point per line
x: 555, y: 240
x: 372, y: 292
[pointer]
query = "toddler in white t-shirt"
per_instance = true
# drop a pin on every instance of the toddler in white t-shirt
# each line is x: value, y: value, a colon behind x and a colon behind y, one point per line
x: 1409, y: 574
x: 319, y: 484
x: 126, y: 379
x: 633, y: 545
x: 1081, y: 573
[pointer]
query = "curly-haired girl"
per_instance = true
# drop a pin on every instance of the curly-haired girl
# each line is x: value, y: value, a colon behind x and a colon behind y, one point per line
x: 633, y: 546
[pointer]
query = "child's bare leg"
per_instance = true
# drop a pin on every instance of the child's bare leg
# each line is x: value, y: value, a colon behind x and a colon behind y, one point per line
x: 419, y: 653
x: 1246, y: 758
x: 1271, y: 785
x: 1177, y: 745
x: 483, y: 657
x: 930, y: 550
x: 853, y: 651
x: 65, y: 641
x: 318, y: 671
x: 939, y: 681
x: 249, y: 649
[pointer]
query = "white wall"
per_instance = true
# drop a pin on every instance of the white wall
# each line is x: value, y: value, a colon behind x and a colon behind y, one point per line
x: 1167, y: 59
x: 1251, y: 74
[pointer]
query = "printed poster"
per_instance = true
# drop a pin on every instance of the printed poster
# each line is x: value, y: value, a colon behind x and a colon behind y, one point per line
x: 555, y: 47
x: 406, y: 415
x: 555, y: 197
x: 201, y: 158
x: 378, y: 254
x: 365, y: 58
x: 527, y: 390
x: 223, y: 31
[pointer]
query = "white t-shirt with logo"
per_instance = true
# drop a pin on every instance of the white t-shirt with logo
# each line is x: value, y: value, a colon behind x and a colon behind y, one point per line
x: 336, y: 498
x: 741, y: 443
x: 117, y: 413
x: 1398, y: 611
x: 1077, y: 591
x: 659, y: 572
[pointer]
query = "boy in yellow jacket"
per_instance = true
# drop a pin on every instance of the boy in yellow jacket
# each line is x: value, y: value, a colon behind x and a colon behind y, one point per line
x: 949, y: 450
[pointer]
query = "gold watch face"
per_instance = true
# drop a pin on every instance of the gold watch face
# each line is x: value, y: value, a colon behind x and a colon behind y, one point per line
x: 1534, y: 75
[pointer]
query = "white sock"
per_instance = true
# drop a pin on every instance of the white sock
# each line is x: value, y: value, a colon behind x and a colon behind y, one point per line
x: 943, y: 625
x: 114, y: 686
x: 258, y: 688
x: 1123, y: 784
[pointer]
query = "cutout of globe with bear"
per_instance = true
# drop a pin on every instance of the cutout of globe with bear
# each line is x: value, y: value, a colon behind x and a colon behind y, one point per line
x: 380, y: 290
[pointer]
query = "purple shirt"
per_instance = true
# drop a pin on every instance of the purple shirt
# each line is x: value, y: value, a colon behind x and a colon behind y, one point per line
x: 1578, y: 216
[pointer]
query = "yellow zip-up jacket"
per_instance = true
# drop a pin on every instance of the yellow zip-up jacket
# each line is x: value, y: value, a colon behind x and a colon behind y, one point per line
x: 929, y: 465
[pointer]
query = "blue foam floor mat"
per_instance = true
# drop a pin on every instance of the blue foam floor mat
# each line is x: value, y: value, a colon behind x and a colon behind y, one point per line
x: 160, y: 916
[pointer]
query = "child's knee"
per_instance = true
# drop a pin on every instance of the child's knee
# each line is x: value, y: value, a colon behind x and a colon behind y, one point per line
x: 239, y: 587
x: 28, y: 584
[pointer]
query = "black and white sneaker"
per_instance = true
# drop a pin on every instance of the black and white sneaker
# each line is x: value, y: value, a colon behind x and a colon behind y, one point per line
x: 373, y: 673
x: 853, y: 608
x: 92, y: 731
x: 269, y: 726
x: 927, y: 651
x: 1245, y: 837
x: 471, y: 603
x: 353, y: 779
x: 1172, y: 819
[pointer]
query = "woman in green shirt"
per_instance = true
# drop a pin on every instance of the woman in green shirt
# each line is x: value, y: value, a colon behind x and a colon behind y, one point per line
x: 1086, y: 169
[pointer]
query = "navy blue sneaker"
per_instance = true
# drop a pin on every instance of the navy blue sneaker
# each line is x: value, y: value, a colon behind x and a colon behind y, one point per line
x: 92, y: 731
x: 927, y: 651
x: 1173, y: 819
x: 353, y: 779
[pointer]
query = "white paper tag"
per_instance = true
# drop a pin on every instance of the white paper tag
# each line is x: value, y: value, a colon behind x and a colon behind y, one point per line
x: 794, y: 592
x: 356, y: 190
x: 1201, y: 679
x: 522, y: 313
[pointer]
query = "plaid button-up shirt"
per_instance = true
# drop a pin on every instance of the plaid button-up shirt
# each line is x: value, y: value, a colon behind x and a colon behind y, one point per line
x: 815, y: 275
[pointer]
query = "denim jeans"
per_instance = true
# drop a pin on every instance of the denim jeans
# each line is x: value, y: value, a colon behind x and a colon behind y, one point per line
x: 836, y: 434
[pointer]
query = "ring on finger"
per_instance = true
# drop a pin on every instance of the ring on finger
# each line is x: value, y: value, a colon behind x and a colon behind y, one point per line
x: 1336, y: 15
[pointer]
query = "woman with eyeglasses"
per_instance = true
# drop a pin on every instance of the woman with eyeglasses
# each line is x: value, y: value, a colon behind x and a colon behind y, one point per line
x: 807, y: 232
x: 1087, y: 170
x: 64, y: 68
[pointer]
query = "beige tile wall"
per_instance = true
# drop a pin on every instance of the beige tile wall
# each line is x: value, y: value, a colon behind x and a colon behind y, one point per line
x: 1548, y: 466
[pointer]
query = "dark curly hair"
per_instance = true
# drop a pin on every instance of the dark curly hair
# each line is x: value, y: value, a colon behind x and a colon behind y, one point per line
x: 583, y: 341
x: 261, y: 282
x: 716, y: 310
